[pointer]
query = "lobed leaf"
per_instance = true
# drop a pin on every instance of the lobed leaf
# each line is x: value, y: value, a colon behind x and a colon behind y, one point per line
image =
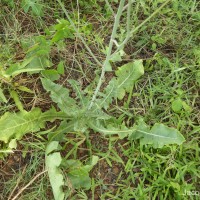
x: 128, y: 74
x: 124, y: 82
x: 158, y: 136
x: 32, y: 5
x: 15, y: 125
x: 60, y: 95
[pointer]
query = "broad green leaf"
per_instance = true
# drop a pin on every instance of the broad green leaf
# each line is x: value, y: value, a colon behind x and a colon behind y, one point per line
x: 51, y: 74
x: 177, y: 105
x: 117, y: 57
x: 53, y: 160
x: 78, y: 174
x: 110, y: 129
x: 79, y: 178
x: 60, y: 95
x: 38, y: 47
x: 124, y: 82
x: 19, y: 68
x: 63, y: 30
x: 15, y: 125
x: 41, y: 62
x: 128, y: 74
x: 158, y: 136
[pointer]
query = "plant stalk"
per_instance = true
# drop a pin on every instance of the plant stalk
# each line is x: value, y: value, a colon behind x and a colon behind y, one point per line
x: 106, y: 62
x: 134, y: 30
x: 79, y: 35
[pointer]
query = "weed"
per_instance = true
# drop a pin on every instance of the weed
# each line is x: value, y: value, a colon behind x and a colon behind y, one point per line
x: 110, y: 86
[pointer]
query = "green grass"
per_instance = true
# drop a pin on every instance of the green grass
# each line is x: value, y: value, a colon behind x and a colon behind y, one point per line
x: 169, y: 47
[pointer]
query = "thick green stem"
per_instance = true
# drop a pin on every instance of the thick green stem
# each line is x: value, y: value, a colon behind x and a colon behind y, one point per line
x: 108, y: 56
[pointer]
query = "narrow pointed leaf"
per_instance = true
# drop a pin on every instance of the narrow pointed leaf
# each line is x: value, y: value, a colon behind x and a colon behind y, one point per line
x: 2, y: 97
x: 79, y: 93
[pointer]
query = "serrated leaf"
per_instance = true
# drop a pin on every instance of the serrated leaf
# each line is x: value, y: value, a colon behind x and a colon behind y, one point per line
x: 158, y: 136
x: 128, y: 74
x: 51, y: 74
x: 53, y: 160
x: 79, y: 93
x: 124, y: 82
x: 60, y: 95
x: 15, y: 125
